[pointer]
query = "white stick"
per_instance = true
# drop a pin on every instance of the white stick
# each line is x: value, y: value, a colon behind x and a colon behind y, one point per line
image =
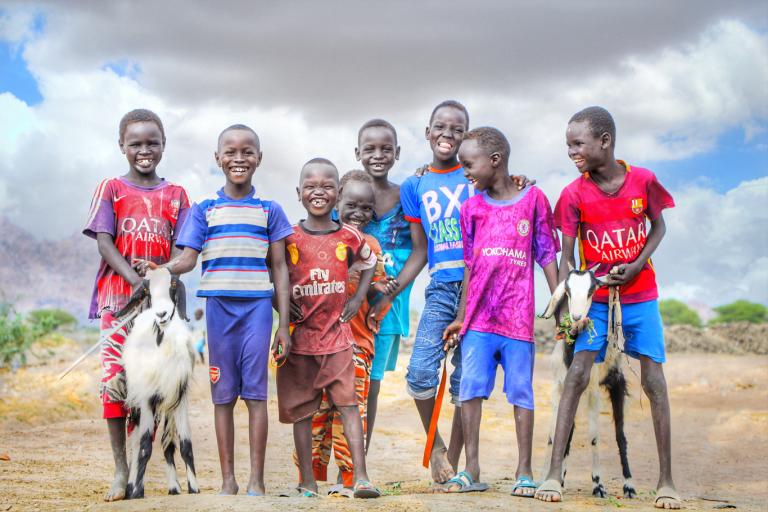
x: 130, y: 316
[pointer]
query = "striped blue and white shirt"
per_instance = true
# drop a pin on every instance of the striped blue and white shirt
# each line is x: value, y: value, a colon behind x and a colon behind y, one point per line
x: 233, y: 236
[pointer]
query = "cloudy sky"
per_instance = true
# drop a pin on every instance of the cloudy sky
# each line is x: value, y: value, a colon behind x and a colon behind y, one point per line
x: 685, y: 81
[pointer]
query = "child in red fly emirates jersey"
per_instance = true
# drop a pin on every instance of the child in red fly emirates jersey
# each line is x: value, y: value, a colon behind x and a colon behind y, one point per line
x: 135, y: 216
x: 319, y: 253
x: 606, y: 209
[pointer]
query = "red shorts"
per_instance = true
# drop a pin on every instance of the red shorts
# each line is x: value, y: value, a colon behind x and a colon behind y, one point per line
x: 112, y: 386
x: 302, y: 379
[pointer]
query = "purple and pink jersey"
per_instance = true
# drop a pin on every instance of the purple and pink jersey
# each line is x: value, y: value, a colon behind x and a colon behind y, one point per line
x: 142, y: 222
x: 611, y: 228
x: 502, y: 239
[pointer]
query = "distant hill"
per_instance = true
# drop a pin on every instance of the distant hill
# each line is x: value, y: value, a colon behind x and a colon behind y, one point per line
x: 37, y: 273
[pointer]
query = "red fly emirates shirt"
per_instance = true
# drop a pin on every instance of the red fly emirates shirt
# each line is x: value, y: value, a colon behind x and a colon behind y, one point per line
x: 143, y: 221
x: 318, y: 266
x: 612, y: 228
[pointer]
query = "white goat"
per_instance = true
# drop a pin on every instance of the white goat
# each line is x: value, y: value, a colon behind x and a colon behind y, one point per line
x: 158, y: 360
x: 579, y: 287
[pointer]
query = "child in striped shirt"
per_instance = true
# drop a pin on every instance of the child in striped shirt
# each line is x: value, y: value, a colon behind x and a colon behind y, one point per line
x: 237, y: 233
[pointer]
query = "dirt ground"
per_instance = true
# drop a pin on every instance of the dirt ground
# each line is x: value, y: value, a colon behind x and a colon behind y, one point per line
x: 60, y: 458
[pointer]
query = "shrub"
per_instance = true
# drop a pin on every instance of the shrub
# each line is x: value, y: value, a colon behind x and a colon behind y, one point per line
x: 44, y: 321
x: 741, y: 311
x: 674, y: 312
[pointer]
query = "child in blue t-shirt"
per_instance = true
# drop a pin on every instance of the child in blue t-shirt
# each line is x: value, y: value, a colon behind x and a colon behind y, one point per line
x: 237, y: 234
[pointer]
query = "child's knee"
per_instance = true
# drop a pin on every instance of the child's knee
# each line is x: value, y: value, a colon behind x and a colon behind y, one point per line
x: 654, y: 384
x: 578, y: 376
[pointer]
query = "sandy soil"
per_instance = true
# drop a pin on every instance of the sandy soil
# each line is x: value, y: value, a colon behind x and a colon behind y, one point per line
x: 60, y: 458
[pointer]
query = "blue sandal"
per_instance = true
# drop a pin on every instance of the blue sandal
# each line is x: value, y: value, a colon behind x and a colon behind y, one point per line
x: 524, y: 482
x: 366, y: 490
x: 465, y: 483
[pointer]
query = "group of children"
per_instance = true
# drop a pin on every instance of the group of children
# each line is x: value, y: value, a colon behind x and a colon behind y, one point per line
x: 340, y: 281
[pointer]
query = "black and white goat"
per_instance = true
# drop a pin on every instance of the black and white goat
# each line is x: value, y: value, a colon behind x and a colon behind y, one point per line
x: 579, y: 287
x: 158, y: 359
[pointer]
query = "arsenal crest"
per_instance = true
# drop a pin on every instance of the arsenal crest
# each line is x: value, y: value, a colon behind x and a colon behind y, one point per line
x: 215, y: 374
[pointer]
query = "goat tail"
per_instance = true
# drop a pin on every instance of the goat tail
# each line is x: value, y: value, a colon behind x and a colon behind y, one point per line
x: 616, y: 385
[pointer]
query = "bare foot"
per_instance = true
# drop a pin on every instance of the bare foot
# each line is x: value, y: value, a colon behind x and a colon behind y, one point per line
x: 117, y: 491
x: 229, y: 486
x: 667, y: 498
x: 256, y: 488
x: 551, y: 491
x: 441, y: 468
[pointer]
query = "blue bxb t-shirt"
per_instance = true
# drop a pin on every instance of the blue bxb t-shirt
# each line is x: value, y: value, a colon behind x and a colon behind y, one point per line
x: 434, y: 199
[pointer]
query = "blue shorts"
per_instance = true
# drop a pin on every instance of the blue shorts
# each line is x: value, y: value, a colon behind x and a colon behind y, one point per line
x: 643, y: 331
x: 481, y: 354
x: 440, y: 306
x: 238, y: 347
x: 386, y: 347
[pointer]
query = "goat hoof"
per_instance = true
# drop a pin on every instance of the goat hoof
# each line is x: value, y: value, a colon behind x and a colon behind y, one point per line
x: 136, y: 493
x: 629, y: 492
x: 599, y: 491
x: 193, y: 490
x: 174, y: 491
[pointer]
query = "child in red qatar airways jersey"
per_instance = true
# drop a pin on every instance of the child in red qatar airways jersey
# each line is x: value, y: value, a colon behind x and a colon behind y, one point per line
x: 605, y: 209
x: 319, y: 253
x: 134, y: 216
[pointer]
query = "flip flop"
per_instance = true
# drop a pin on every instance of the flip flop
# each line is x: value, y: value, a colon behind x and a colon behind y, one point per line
x: 524, y: 482
x: 667, y: 493
x: 550, y: 486
x: 365, y: 489
x: 298, y: 492
x: 466, y: 484
x: 339, y: 491
x: 254, y: 493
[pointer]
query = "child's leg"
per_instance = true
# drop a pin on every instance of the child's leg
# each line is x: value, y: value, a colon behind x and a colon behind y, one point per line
x: 524, y: 430
x: 353, y: 432
x: 373, y: 405
x: 655, y: 387
x: 576, y: 382
x: 225, y: 441
x: 471, y: 414
x: 386, y: 347
x: 257, y: 434
x: 302, y: 440
x: 456, y: 443
x: 112, y: 393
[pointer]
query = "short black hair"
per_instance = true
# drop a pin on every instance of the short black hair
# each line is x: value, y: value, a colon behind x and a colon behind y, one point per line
x: 599, y: 120
x: 355, y: 175
x: 239, y: 127
x: 491, y: 140
x: 376, y: 123
x: 140, y: 115
x: 453, y: 104
x: 318, y: 160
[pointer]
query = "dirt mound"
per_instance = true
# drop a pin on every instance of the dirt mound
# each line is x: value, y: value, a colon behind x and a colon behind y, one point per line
x: 734, y: 338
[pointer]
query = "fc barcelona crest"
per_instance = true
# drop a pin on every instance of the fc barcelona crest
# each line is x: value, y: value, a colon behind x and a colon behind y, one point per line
x: 637, y: 206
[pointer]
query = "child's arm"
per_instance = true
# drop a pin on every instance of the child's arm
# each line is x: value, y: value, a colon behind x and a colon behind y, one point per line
x: 415, y: 262
x: 451, y: 333
x: 106, y: 244
x: 183, y: 263
x: 281, y: 346
x: 627, y: 271
x: 550, y: 272
x: 353, y: 303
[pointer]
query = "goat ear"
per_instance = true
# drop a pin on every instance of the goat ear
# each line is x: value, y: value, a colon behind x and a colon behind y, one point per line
x: 180, y: 298
x: 554, y: 302
x: 138, y: 295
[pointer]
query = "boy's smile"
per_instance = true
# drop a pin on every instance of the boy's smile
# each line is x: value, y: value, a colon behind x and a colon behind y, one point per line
x: 356, y: 203
x: 584, y: 149
x: 238, y: 156
x: 445, y: 132
x: 143, y: 145
x: 318, y: 189
x: 478, y: 165
x: 378, y: 150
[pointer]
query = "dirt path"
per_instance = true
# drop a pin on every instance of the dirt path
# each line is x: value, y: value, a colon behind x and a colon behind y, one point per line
x: 720, y: 428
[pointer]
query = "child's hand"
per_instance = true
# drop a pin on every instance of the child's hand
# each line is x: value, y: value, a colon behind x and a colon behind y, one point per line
x: 281, y: 346
x: 623, y: 274
x: 296, y: 313
x: 385, y: 286
x: 522, y: 181
x: 451, y: 335
x: 350, y: 309
x: 421, y: 171
x: 141, y: 266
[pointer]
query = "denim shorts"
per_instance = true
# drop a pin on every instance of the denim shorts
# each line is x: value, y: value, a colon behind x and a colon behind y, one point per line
x: 441, y: 301
x: 643, y: 331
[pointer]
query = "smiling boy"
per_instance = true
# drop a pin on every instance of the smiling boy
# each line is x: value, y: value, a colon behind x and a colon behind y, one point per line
x: 237, y: 234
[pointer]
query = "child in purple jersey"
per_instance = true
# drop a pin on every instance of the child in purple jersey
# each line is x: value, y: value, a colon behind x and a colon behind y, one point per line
x: 505, y: 230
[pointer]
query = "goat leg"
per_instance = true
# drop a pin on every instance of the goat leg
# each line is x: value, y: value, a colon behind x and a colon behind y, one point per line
x: 181, y: 416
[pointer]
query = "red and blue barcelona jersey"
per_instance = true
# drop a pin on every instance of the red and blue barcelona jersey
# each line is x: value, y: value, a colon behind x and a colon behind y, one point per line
x: 612, y: 228
x: 142, y: 222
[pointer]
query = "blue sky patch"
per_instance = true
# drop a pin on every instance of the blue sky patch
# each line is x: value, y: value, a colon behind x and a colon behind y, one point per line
x: 16, y: 77
x: 124, y: 67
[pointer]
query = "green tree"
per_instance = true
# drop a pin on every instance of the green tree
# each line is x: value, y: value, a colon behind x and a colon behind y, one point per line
x: 741, y: 311
x: 674, y: 312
